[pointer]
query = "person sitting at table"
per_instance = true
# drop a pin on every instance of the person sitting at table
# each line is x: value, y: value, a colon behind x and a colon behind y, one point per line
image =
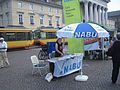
x: 59, y: 47
x: 58, y: 52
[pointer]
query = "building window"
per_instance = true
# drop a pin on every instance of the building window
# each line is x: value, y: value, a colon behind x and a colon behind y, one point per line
x: 41, y: 8
x: 50, y: 9
x: 20, y: 18
x: 46, y: 0
x: 6, y: 4
x: 1, y: 20
x: 7, y: 15
x: 31, y: 6
x: 41, y: 19
x: 0, y: 7
x: 19, y: 4
x: 52, y: 0
x: 57, y: 11
x: 50, y: 20
x: 57, y: 21
x: 32, y: 20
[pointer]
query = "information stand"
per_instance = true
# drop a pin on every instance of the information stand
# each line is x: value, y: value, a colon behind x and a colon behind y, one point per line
x: 66, y: 65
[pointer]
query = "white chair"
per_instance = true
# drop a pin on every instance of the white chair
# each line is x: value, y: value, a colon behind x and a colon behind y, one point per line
x: 38, y: 65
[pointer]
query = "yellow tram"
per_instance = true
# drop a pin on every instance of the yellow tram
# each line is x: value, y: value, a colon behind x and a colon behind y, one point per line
x: 43, y: 36
x: 17, y: 37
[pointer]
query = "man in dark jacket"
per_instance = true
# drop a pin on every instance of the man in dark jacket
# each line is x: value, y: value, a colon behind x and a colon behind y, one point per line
x: 114, y: 51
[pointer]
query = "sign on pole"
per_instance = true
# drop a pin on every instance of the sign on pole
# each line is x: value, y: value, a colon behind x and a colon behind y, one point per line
x: 71, y: 11
x: 72, y: 14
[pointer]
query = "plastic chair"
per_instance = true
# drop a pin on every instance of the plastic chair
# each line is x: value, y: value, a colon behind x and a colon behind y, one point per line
x: 38, y: 65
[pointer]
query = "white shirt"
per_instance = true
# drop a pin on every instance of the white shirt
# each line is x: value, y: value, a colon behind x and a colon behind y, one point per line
x: 3, y: 45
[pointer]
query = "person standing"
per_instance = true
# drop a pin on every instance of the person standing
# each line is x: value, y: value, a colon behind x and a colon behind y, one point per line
x: 112, y: 40
x: 114, y: 51
x: 3, y: 53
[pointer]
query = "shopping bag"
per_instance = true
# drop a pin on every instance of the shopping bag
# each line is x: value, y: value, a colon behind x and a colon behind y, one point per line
x: 49, y: 77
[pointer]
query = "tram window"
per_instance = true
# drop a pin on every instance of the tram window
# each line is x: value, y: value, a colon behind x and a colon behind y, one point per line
x: 1, y: 34
x: 33, y: 35
x: 30, y: 35
x: 50, y: 35
x: 54, y: 35
x: 21, y: 36
x: 37, y: 35
x: 10, y: 36
x: 43, y: 35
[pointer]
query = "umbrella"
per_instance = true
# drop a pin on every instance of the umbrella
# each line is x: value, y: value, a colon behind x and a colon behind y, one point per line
x: 82, y: 30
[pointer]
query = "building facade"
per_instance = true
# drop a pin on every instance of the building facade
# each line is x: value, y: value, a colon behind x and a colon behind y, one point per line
x: 31, y: 13
x: 111, y: 23
x: 95, y: 10
x: 48, y: 13
x: 115, y: 15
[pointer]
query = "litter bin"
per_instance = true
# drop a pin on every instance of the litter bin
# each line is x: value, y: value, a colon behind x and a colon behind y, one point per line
x: 51, y: 47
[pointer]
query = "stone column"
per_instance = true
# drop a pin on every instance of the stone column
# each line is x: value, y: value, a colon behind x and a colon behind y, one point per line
x: 99, y: 14
x: 103, y: 18
x: 95, y: 13
x: 91, y: 12
x: 106, y: 16
x: 86, y: 10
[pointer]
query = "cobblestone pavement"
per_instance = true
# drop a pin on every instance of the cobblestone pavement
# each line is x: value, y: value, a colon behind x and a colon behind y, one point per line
x: 19, y: 75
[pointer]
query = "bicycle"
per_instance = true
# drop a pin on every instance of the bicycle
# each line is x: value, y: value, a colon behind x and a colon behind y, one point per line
x: 43, y: 54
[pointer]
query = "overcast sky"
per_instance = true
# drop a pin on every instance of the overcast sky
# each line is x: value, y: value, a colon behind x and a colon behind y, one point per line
x: 114, y: 5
